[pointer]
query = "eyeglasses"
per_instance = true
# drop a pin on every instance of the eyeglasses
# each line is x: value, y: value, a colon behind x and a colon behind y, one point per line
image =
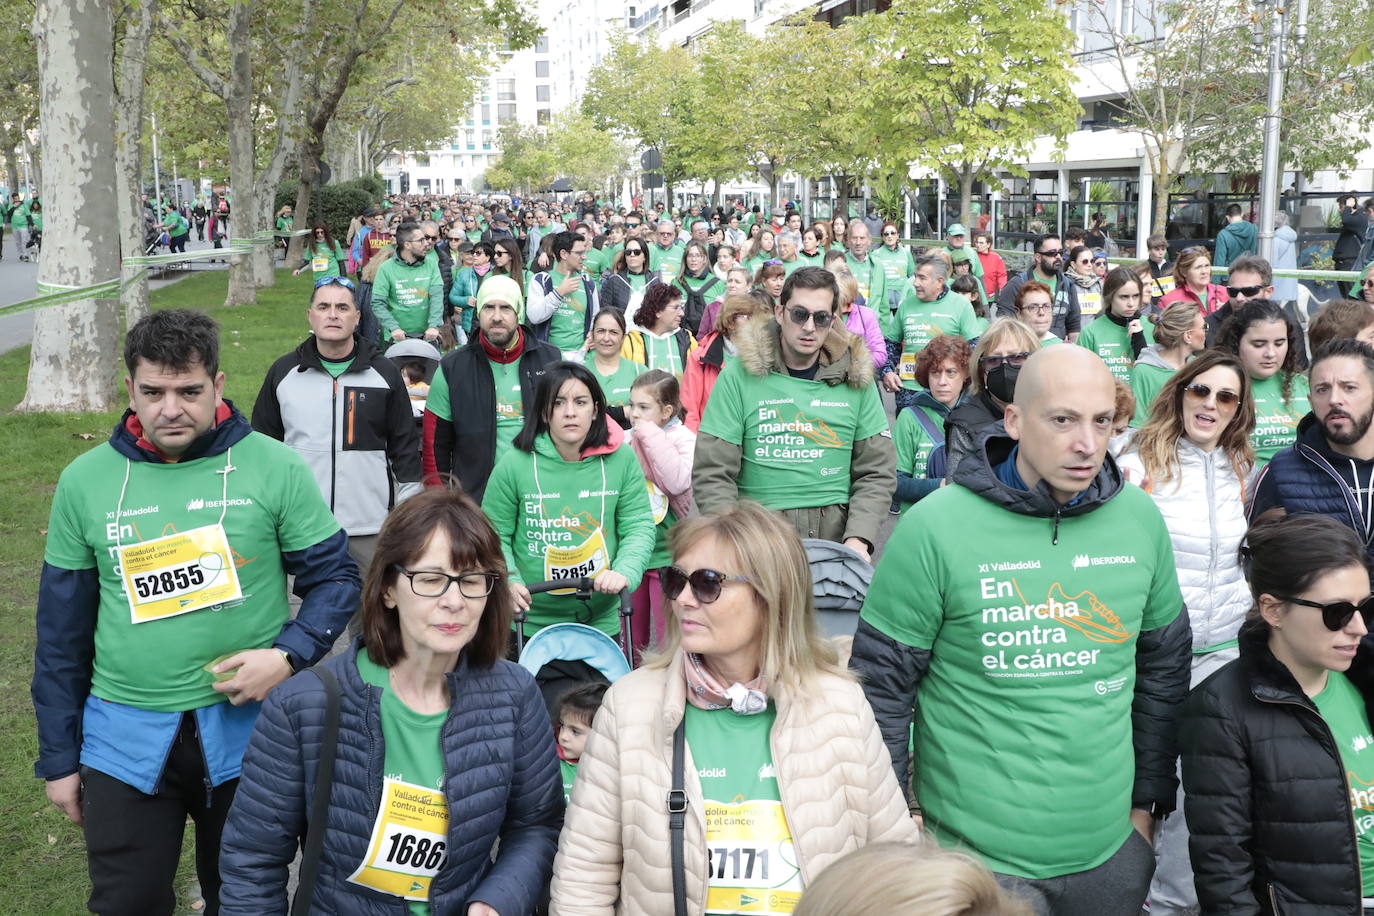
x: 1249, y: 292
x: 1011, y: 359
x: 434, y: 584
x: 632, y: 225
x: 799, y: 317
x: 501, y: 253
x: 1051, y: 254
x: 1039, y: 308
x: 456, y: 238
x: 431, y: 238
x: 1225, y: 396
x: 1367, y: 283
x: 706, y: 583
x: 633, y: 252
x: 337, y: 281
x: 1338, y: 613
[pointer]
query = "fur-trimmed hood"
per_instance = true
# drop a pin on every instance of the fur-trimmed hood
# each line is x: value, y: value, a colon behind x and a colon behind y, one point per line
x: 844, y: 356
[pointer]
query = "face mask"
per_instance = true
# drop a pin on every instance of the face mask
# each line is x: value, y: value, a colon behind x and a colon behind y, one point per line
x: 1001, y: 382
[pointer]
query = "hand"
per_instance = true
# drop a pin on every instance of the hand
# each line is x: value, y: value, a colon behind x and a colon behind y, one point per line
x: 609, y: 582
x: 1144, y: 822
x: 65, y: 793
x: 398, y: 334
x: 520, y: 595
x: 1134, y: 327
x: 259, y: 670
x: 569, y: 284
x: 859, y: 546
x: 892, y: 382
x: 431, y: 334
x: 297, y: 271
x: 481, y: 909
x: 920, y: 821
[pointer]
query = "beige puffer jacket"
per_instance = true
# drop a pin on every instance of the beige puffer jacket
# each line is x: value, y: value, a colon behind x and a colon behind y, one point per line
x: 834, y: 777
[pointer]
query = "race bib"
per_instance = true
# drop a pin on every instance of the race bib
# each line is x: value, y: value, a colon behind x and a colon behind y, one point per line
x: 906, y: 367
x: 319, y: 265
x: 1089, y: 303
x: 409, y: 841
x: 586, y: 559
x: 753, y: 866
x: 665, y: 273
x: 1164, y: 285
x: 658, y: 502
x: 179, y: 573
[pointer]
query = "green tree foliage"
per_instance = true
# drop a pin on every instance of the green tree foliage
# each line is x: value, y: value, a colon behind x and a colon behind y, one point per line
x: 965, y: 86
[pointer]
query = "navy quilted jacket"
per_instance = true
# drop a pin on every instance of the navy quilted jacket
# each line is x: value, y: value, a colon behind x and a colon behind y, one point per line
x: 501, y: 780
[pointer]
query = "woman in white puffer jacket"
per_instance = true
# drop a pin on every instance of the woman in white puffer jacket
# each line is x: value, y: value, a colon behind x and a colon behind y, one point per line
x: 1192, y: 456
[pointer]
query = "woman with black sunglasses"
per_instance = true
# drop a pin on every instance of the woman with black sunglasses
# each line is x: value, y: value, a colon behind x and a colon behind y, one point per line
x: 1192, y: 456
x: 630, y: 277
x: 1278, y: 750
x: 779, y: 761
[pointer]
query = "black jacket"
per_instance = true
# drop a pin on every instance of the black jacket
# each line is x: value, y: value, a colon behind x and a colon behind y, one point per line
x: 1068, y: 318
x: 891, y: 671
x: 1266, y: 793
x: 466, y: 445
x: 1354, y: 230
x: 615, y: 291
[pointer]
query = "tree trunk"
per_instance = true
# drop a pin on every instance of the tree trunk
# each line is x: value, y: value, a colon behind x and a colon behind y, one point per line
x: 1163, y: 175
x: 238, y: 101
x: 72, y: 367
x: 311, y: 148
x: 35, y: 160
x: 129, y: 150
x: 966, y: 176
x: 842, y: 191
x: 12, y: 166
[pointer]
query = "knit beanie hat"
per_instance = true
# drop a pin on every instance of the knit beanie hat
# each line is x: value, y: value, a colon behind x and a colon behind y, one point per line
x: 501, y: 288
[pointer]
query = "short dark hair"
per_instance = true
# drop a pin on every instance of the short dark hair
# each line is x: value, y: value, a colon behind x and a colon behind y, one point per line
x: 563, y: 242
x: 811, y: 278
x: 473, y: 546
x: 1347, y: 346
x: 175, y: 338
x: 537, y: 420
x: 486, y: 248
x: 1234, y: 210
x: 582, y: 702
x: 1040, y: 240
x: 404, y: 232
x: 1285, y: 554
x: 612, y: 313
x: 1254, y: 264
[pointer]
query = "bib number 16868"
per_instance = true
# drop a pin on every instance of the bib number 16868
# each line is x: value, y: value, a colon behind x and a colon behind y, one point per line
x: 420, y: 854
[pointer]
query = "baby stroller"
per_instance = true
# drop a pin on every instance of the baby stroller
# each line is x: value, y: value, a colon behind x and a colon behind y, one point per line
x: 563, y: 655
x: 840, y: 582
x: 152, y: 234
x: 417, y: 361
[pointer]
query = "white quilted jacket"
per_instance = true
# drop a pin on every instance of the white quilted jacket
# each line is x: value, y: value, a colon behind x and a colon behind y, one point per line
x: 1204, y: 508
x: 834, y: 776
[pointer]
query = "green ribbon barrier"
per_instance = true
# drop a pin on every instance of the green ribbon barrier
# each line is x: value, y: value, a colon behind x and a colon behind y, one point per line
x: 50, y: 294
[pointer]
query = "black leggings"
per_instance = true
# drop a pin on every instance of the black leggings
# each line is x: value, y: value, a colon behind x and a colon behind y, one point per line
x: 133, y: 840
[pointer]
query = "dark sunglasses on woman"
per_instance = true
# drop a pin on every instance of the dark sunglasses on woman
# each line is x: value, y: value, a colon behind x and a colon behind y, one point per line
x: 706, y: 583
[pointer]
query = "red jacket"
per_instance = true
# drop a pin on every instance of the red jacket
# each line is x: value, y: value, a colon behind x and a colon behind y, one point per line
x: 1216, y: 297
x: 994, y: 272
x: 703, y: 368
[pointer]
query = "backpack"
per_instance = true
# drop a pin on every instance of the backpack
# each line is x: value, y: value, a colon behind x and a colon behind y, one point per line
x: 694, y: 306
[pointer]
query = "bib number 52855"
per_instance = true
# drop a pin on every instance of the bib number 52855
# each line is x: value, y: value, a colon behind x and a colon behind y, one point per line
x: 170, y: 583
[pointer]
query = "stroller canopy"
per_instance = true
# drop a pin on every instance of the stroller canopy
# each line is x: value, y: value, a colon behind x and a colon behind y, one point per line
x: 840, y: 580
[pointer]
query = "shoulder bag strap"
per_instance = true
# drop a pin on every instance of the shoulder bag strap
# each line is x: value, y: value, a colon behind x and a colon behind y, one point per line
x: 677, y: 820
x: 319, y: 802
x: 936, y: 433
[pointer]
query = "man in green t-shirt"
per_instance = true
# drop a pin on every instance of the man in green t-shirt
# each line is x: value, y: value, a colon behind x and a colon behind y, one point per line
x: 568, y: 304
x: 796, y: 422
x: 665, y: 254
x: 408, y: 290
x: 1045, y: 652
x: 933, y: 311
x: 163, y: 618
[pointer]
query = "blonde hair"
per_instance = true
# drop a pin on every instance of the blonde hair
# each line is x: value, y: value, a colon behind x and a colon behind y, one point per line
x: 901, y: 878
x: 760, y: 545
x: 1003, y: 330
x: 1176, y: 320
x: 849, y: 287
x: 383, y: 255
x: 734, y: 305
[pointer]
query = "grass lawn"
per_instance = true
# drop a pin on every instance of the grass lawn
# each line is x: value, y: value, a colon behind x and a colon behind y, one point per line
x: 42, y: 858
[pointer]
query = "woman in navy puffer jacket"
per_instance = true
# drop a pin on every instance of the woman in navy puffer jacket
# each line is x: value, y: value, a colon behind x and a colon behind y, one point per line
x: 444, y: 748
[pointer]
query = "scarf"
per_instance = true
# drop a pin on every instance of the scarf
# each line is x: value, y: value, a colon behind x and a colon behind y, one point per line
x: 704, y: 691
x: 497, y: 355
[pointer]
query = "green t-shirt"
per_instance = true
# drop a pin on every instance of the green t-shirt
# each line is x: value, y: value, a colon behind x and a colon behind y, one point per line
x: 1276, y: 420
x: 918, y: 323
x: 275, y: 507
x: 753, y: 865
x: 661, y: 351
x: 872, y: 279
x: 667, y: 262
x: 569, y: 773
x: 413, y: 753
x: 912, y: 443
x: 797, y: 436
x: 616, y: 386
x: 568, y: 324
x: 409, y: 297
x: 1146, y: 382
x: 510, y: 404
x: 324, y: 261
x: 177, y: 225
x: 1112, y: 342
x: 898, y: 269
x: 1343, y: 709
x: 562, y: 519
x: 336, y: 368
x: 1023, y: 720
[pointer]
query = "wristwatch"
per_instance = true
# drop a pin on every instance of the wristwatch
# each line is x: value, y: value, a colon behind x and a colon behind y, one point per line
x: 291, y: 666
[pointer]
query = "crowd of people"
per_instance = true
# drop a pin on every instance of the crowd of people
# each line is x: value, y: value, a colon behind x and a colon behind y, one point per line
x: 1112, y: 655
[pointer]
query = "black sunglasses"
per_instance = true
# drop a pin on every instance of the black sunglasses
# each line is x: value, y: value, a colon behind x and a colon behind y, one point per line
x: 799, y: 316
x: 1051, y: 254
x: 1011, y: 359
x: 1249, y: 292
x: 1225, y: 397
x: 1338, y: 613
x: 706, y: 583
